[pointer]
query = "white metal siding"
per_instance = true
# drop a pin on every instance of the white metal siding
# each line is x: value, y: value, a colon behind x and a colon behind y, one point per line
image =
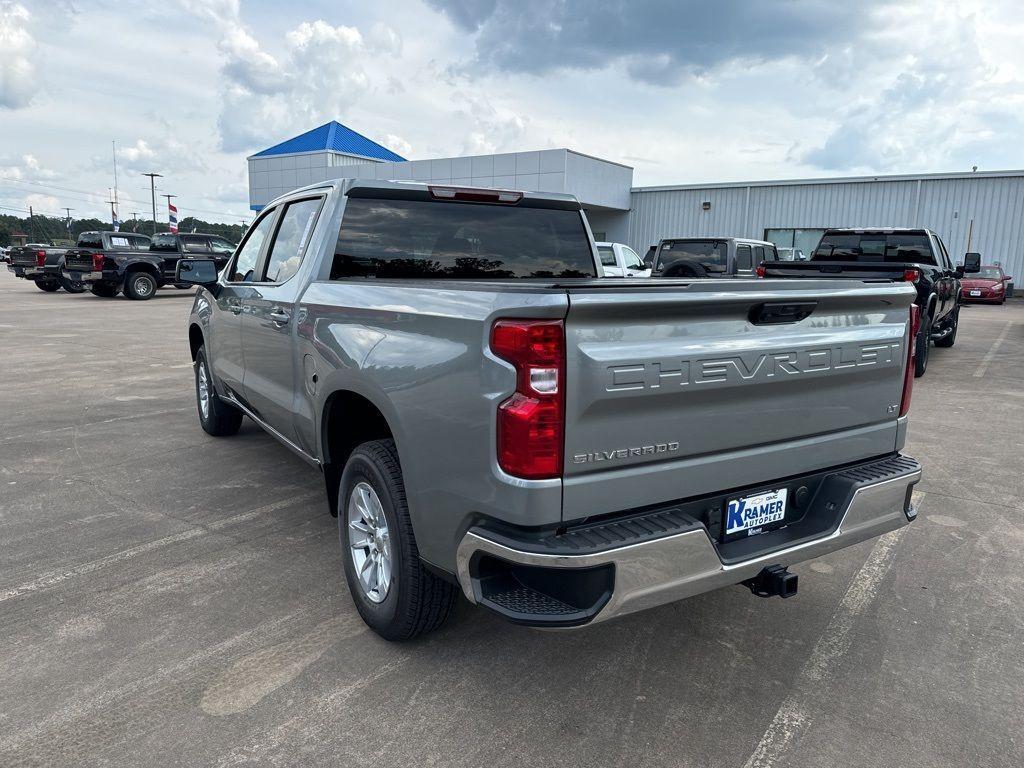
x: 996, y: 203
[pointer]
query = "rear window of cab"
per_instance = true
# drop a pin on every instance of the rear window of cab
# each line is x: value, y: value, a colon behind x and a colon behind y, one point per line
x: 881, y: 247
x: 402, y: 238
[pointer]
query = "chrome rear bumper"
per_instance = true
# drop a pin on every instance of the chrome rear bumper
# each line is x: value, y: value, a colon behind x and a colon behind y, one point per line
x: 663, y: 570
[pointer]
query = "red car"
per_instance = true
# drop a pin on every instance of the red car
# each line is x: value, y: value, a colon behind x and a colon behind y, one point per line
x: 988, y: 285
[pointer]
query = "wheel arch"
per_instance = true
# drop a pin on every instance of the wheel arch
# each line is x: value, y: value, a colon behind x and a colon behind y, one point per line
x: 195, y: 339
x: 348, y: 419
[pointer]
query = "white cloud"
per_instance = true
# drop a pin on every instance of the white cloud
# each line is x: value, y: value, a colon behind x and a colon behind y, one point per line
x: 17, y: 50
x: 318, y: 75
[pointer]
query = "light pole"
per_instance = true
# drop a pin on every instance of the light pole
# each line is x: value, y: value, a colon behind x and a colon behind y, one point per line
x: 152, y: 191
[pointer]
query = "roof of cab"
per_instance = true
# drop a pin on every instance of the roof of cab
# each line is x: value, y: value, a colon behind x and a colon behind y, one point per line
x: 346, y: 185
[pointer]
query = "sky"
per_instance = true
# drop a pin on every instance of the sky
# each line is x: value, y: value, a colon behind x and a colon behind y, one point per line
x: 684, y: 92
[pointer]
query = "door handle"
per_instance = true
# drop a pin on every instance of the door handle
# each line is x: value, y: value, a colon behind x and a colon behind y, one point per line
x: 279, y: 316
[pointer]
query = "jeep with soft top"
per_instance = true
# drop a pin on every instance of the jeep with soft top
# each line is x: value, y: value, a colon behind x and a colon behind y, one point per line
x: 492, y: 417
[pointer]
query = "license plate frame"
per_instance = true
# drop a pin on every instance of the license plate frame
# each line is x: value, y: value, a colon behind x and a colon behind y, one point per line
x: 755, y: 513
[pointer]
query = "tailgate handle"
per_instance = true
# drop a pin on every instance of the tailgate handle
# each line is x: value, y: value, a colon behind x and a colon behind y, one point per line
x: 777, y: 312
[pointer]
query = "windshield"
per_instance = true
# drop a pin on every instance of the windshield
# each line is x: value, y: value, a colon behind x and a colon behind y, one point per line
x: 875, y: 247
x: 988, y: 273
x: 712, y: 255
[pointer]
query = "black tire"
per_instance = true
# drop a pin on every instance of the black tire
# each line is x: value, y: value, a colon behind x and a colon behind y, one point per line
x: 140, y: 285
x: 104, y: 290
x: 71, y: 286
x: 948, y: 341
x: 47, y: 285
x: 686, y: 269
x: 924, y: 345
x: 220, y: 419
x: 182, y: 287
x: 417, y: 601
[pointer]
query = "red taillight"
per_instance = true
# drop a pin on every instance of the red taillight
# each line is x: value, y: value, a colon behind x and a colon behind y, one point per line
x: 911, y: 275
x: 531, y: 422
x: 908, y: 376
x: 760, y: 270
x: 40, y: 258
x: 97, y: 262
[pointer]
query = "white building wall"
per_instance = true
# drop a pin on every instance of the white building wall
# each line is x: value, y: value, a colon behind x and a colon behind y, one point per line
x: 946, y: 204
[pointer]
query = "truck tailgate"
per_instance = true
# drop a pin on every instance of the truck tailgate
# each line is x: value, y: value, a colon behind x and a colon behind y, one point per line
x: 677, y: 390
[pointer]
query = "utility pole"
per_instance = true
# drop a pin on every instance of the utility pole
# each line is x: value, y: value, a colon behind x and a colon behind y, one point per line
x: 68, y: 220
x: 113, y: 210
x: 31, y: 225
x: 152, y: 191
x: 135, y: 220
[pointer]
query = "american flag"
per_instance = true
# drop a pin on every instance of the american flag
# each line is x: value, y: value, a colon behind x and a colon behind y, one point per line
x: 172, y: 217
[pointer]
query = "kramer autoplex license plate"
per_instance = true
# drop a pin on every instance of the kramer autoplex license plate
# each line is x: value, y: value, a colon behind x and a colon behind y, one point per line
x: 751, y: 515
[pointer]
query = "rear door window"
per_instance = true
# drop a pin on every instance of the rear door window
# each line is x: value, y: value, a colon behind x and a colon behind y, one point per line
x: 400, y: 238
x: 293, y: 235
x: 166, y: 243
x: 140, y: 243
x: 195, y: 244
x: 743, y: 258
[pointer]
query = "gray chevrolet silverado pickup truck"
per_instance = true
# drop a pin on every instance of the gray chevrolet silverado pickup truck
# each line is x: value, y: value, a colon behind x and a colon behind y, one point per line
x: 490, y: 416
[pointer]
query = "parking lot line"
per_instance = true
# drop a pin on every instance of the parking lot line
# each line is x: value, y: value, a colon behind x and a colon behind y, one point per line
x: 991, y: 354
x: 56, y: 577
x: 793, y: 715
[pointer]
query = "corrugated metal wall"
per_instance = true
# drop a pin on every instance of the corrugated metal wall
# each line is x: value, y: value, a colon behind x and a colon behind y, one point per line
x: 995, y: 203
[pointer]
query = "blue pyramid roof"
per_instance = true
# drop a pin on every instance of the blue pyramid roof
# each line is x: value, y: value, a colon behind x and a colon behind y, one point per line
x: 336, y: 137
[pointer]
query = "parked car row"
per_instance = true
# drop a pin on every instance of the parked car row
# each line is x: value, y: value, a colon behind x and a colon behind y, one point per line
x: 107, y: 263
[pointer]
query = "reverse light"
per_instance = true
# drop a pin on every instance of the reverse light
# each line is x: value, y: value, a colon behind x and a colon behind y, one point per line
x: 911, y: 275
x: 908, y: 376
x: 97, y: 262
x: 531, y: 423
x: 40, y: 258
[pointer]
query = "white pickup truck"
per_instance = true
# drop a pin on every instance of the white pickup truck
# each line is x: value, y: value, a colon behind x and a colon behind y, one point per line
x: 618, y: 260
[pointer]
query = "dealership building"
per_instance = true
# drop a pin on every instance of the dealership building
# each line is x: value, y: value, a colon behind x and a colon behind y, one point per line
x: 980, y: 211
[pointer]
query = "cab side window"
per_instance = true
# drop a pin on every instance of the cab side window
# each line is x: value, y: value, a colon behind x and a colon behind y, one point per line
x: 743, y: 258
x: 292, y: 237
x: 244, y: 268
x: 194, y: 244
x: 631, y: 260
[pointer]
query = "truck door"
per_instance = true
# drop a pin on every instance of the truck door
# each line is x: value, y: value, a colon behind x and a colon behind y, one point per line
x: 949, y: 288
x: 225, y: 321
x: 268, y: 318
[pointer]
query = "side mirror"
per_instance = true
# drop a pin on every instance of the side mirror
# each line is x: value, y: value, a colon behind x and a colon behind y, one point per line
x: 1007, y: 279
x: 972, y: 262
x: 196, y: 272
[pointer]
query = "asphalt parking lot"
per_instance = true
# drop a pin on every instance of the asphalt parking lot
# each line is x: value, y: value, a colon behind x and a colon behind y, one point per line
x: 168, y: 598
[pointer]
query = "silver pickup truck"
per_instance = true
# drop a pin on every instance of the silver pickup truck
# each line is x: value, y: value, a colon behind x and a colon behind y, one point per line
x: 490, y: 416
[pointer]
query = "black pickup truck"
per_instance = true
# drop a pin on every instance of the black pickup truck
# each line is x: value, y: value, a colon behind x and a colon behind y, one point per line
x: 194, y: 245
x: 109, y: 262
x: 44, y: 265
x: 916, y: 255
